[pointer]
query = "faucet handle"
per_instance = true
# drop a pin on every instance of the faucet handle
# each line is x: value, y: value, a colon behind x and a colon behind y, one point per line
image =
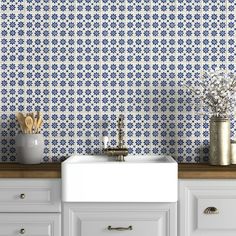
x: 121, y: 121
x: 105, y: 141
x: 121, y: 118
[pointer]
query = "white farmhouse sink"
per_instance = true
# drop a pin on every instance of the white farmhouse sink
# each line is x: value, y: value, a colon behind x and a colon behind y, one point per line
x: 138, y: 179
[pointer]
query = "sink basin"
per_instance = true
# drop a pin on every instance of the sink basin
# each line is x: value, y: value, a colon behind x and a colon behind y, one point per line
x: 138, y: 179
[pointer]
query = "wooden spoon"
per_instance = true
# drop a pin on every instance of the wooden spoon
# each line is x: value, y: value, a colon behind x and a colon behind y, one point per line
x: 40, y: 124
x: 39, y: 121
x: 34, y: 124
x: 29, y: 124
x: 21, y: 119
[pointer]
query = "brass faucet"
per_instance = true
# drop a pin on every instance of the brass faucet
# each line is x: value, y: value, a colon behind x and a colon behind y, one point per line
x: 121, y: 151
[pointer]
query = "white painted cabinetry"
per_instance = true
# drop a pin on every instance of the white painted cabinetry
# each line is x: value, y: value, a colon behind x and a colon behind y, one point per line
x: 30, y: 207
x: 124, y: 219
x: 207, y: 208
x: 29, y: 224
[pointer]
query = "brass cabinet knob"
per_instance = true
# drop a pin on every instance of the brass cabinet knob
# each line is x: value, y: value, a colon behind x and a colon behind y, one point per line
x: 22, y: 231
x: 211, y: 211
x: 22, y: 196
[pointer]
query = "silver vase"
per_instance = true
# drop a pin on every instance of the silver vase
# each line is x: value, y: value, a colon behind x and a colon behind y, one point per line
x: 219, y: 141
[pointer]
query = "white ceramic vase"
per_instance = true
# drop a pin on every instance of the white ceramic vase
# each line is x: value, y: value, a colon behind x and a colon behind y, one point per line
x: 30, y: 148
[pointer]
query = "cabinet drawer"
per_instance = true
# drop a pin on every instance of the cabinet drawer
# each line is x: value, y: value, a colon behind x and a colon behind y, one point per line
x: 207, y: 207
x: 223, y: 218
x: 120, y: 219
x: 128, y: 227
x: 27, y: 195
x: 29, y: 224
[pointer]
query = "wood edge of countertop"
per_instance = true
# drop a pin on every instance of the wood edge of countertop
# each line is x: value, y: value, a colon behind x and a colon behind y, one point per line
x: 205, y: 171
x: 53, y: 170
x: 43, y: 170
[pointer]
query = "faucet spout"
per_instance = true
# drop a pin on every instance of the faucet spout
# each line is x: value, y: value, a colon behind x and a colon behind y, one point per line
x: 121, y: 151
x: 121, y: 132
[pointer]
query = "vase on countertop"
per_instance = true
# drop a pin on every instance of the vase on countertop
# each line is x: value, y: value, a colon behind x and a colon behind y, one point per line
x: 219, y: 141
x: 30, y: 148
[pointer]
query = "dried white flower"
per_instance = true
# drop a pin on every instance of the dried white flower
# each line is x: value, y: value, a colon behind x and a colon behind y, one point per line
x: 216, y: 91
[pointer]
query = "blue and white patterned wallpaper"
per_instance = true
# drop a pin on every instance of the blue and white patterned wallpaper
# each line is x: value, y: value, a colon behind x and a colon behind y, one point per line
x: 83, y: 62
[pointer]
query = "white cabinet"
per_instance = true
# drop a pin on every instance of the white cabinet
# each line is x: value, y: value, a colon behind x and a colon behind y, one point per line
x: 30, y: 195
x: 124, y: 219
x: 207, y: 208
x: 30, y: 207
x: 32, y: 224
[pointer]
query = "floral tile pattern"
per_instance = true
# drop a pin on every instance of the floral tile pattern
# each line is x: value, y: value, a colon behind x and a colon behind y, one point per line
x: 83, y: 62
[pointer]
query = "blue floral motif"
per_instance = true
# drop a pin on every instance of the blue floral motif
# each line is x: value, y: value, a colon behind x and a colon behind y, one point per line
x: 83, y: 62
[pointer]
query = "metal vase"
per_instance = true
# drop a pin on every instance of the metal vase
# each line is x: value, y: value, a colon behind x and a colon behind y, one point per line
x: 233, y: 151
x: 219, y: 141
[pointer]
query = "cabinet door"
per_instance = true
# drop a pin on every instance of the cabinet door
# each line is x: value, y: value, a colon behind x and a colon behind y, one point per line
x: 207, y: 208
x: 119, y: 219
x: 30, y: 195
x: 29, y: 224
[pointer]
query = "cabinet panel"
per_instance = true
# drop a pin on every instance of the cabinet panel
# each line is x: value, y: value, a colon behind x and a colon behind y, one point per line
x: 29, y: 224
x: 30, y: 195
x: 119, y: 219
x: 207, y: 208
x: 126, y: 227
x: 225, y: 215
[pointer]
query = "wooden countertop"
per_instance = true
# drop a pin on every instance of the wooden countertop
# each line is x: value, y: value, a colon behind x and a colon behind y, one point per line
x: 205, y: 171
x: 44, y: 170
x: 53, y: 170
